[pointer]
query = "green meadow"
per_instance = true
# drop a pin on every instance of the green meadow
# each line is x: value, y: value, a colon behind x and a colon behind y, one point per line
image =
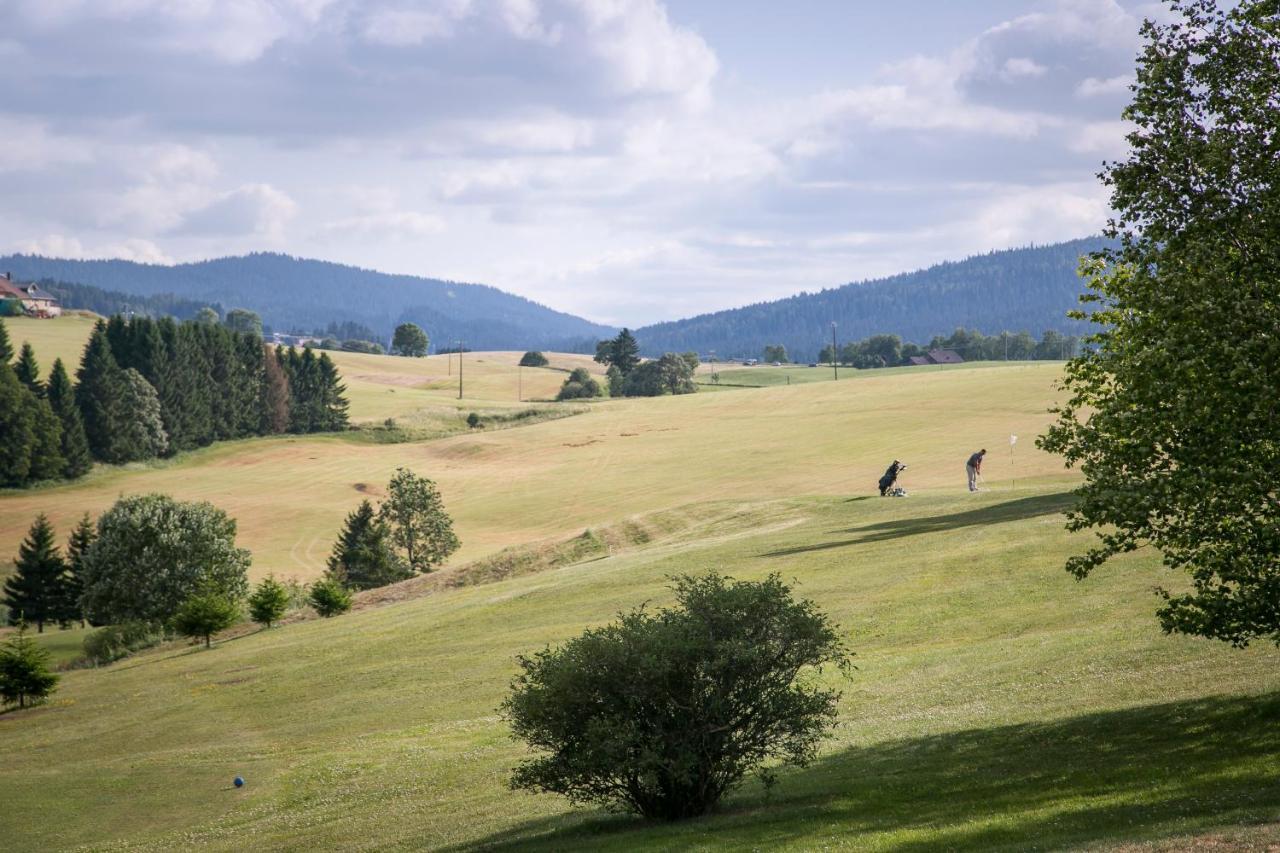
x: 997, y: 704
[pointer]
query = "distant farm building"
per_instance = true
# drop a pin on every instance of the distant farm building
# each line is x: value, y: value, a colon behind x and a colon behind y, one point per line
x: 33, y: 300
x: 937, y: 356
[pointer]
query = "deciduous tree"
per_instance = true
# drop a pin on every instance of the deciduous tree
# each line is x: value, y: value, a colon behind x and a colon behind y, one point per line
x: 420, y: 527
x: 410, y: 340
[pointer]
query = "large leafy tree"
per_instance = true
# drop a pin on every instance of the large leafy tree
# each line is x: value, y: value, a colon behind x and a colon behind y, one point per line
x: 152, y: 553
x: 410, y: 340
x: 141, y: 435
x: 419, y: 525
x: 61, y: 395
x: 362, y: 557
x: 35, y: 592
x: 244, y: 321
x: 664, y: 712
x: 1174, y: 411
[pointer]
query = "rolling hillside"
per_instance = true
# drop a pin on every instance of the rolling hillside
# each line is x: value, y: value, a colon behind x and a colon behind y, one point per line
x: 1017, y: 290
x: 297, y: 293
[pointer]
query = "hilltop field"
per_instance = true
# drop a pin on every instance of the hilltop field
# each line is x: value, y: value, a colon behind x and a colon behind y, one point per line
x: 997, y: 704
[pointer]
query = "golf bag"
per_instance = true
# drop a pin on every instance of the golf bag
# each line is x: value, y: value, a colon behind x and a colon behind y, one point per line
x: 890, y: 478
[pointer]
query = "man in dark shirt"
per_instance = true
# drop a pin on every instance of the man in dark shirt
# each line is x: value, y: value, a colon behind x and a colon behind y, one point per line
x: 974, y: 467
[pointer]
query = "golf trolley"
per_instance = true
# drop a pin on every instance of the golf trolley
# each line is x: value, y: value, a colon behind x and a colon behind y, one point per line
x: 888, y: 483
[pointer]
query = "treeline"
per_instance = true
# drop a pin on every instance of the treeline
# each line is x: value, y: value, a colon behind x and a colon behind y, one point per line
x: 86, y: 297
x: 890, y: 351
x: 1030, y: 288
x: 150, y: 388
x: 631, y: 376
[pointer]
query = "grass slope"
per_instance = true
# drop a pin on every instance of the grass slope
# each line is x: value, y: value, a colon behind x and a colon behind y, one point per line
x: 997, y: 705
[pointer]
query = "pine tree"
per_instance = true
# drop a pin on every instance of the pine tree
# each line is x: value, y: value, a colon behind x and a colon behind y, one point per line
x: 17, y: 429
x: 6, y: 348
x: 248, y: 391
x: 98, y: 387
x: 35, y: 592
x: 24, y: 671
x: 47, y: 462
x: 333, y: 396
x: 362, y: 557
x: 82, y: 537
x: 205, y: 614
x: 275, y: 395
x: 62, y: 399
x: 27, y: 369
x: 268, y: 602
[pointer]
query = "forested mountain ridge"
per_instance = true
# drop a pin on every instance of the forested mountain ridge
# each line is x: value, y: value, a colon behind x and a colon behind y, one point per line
x: 297, y: 293
x: 1029, y: 289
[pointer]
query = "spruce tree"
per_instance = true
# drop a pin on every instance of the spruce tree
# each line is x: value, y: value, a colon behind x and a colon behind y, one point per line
x: 17, y: 429
x: 47, y: 462
x: 35, y: 592
x: 274, y: 405
x: 61, y: 395
x: 268, y: 602
x: 6, y: 348
x: 248, y: 391
x: 362, y: 557
x: 98, y: 388
x: 82, y: 536
x: 27, y: 369
x: 24, y: 671
x: 333, y: 396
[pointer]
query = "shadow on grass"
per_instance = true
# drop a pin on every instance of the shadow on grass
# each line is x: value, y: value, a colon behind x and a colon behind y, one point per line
x: 1140, y: 774
x: 1014, y: 510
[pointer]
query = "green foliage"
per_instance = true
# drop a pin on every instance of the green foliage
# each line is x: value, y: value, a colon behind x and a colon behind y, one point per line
x: 317, y: 397
x: 473, y: 420
x: 18, y: 427
x: 371, y: 347
x: 205, y: 614
x: 25, y: 678
x: 207, y: 316
x: 269, y: 601
x: 74, y: 445
x: 663, y: 713
x: 775, y: 352
x: 667, y: 375
x: 6, y: 347
x: 362, y: 557
x: 691, y: 358
x: 621, y: 352
x: 533, y: 358
x: 142, y: 434
x: 329, y: 598
x: 82, y: 536
x: 35, y: 592
x: 244, y: 322
x: 580, y: 385
x: 420, y: 527
x: 1173, y: 410
x: 153, y: 553
x: 410, y: 340
x: 98, y: 388
x: 27, y: 369
x: 119, y: 641
x: 274, y: 402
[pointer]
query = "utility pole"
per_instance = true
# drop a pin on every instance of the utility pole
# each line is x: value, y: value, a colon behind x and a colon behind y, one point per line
x: 460, y: 345
x: 835, y: 354
x: 520, y: 383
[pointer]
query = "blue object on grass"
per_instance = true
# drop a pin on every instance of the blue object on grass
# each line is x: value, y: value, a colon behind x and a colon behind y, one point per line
x: 239, y: 782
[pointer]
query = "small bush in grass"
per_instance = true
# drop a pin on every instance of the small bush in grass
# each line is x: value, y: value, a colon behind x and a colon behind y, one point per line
x: 117, y: 641
x: 533, y: 358
x: 269, y: 601
x: 25, y: 678
x: 663, y: 713
x: 329, y: 597
x: 473, y: 420
x: 204, y: 615
x: 580, y: 385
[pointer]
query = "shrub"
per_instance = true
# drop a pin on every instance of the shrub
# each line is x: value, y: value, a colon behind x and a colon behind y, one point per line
x: 269, y: 601
x: 533, y: 358
x: 117, y: 641
x: 473, y: 420
x: 329, y: 597
x: 25, y: 678
x: 663, y: 713
x: 204, y: 615
x: 580, y: 385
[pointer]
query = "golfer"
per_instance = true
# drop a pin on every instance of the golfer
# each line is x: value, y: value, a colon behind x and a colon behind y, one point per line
x: 974, y: 467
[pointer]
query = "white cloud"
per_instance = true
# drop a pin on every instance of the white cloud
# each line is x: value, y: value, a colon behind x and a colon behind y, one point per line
x: 1093, y: 87
x: 401, y: 225
x: 62, y: 246
x: 253, y: 209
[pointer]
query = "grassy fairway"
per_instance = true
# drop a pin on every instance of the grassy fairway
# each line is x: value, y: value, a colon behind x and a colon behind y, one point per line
x: 627, y: 456
x: 997, y: 705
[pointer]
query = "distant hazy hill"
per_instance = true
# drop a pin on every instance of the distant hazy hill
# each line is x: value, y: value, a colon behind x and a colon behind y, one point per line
x: 1017, y: 290
x: 297, y: 293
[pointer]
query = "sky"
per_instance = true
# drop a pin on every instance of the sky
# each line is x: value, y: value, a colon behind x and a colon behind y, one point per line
x: 630, y: 161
